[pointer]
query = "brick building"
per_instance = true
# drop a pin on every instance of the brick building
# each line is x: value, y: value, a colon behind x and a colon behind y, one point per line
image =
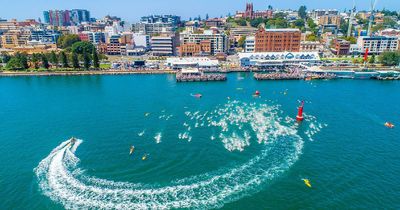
x: 277, y: 40
x: 342, y: 47
x: 195, y: 49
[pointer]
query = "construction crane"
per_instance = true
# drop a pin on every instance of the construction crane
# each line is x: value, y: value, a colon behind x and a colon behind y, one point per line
x: 371, y: 17
x: 351, y: 19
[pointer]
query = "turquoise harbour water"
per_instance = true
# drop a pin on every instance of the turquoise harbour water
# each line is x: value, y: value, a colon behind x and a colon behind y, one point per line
x: 239, y: 152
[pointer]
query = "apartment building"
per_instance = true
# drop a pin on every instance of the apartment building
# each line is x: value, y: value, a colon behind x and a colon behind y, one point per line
x: 219, y: 42
x: 378, y: 44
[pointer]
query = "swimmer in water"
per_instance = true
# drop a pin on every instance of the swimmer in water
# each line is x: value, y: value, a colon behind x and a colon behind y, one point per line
x: 131, y: 150
x: 144, y: 157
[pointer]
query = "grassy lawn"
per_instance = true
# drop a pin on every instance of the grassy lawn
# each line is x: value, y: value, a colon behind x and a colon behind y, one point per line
x: 105, y: 66
x: 338, y: 59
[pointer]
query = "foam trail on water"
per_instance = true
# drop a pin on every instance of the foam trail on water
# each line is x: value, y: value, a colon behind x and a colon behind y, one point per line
x: 158, y: 137
x: 61, y: 179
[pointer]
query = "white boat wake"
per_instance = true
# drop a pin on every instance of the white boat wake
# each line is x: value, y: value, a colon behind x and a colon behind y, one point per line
x: 61, y: 179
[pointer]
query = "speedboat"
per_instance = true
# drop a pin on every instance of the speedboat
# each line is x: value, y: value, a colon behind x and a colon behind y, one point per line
x: 197, y: 95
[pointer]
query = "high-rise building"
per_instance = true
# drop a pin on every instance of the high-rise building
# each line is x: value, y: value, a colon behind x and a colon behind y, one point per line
x: 157, y: 24
x: 79, y: 16
x: 277, y: 40
x: 66, y: 17
x: 57, y: 17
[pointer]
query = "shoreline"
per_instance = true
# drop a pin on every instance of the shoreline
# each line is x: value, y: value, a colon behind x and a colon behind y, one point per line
x: 132, y: 72
x: 83, y: 73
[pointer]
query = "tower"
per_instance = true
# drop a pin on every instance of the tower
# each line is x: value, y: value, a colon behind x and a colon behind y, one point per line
x: 249, y: 11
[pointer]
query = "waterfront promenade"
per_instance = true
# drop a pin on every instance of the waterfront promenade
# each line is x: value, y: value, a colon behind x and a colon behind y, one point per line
x: 93, y: 72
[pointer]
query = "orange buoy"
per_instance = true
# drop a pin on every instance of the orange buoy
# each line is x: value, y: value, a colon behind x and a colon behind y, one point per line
x: 299, y: 116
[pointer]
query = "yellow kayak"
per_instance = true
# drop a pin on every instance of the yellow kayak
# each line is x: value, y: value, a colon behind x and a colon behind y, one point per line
x: 307, y: 183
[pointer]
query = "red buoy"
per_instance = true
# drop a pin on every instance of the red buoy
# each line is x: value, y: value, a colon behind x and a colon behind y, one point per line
x: 299, y: 116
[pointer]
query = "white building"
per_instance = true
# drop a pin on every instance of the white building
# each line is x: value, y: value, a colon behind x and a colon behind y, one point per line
x: 309, y: 46
x: 249, y: 44
x: 141, y: 41
x: 378, y: 44
x: 115, y: 29
x: 164, y: 45
x: 219, y: 42
x: 277, y: 59
x: 355, y: 49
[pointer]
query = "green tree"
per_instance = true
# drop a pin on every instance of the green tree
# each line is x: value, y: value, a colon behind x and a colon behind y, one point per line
x: 378, y: 27
x: 344, y: 26
x: 82, y: 47
x: 241, y: 41
x: 14, y: 64
x: 64, y: 60
x: 95, y: 57
x: 372, y: 59
x: 389, y: 22
x: 54, y: 59
x: 102, y: 57
x: 351, y: 39
x: 257, y: 21
x: 311, y: 37
x: 299, y: 23
x: 23, y: 60
x: 35, y: 58
x: 390, y: 58
x: 18, y: 62
x: 302, y: 12
x: 66, y: 41
x: 6, y: 57
x: 86, y: 61
x: 45, y: 62
x: 75, y: 61
x: 241, y: 22
x: 311, y: 23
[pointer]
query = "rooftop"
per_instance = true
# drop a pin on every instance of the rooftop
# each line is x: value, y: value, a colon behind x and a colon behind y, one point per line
x: 282, y: 30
